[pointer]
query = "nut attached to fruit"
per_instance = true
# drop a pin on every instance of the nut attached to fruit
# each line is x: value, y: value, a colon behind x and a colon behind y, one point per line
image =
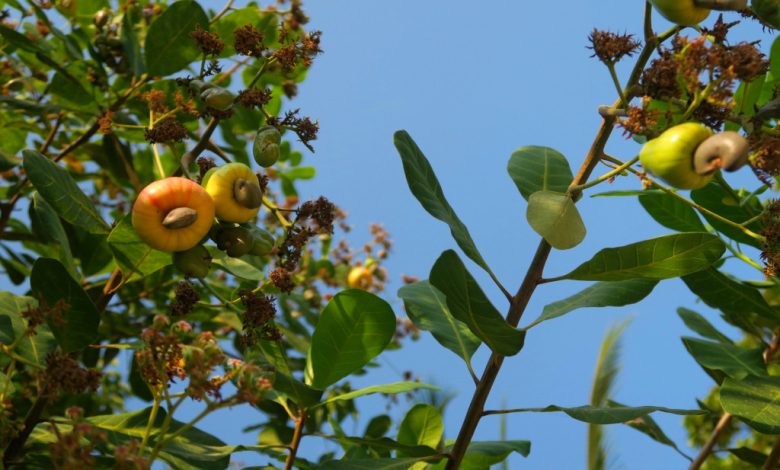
x: 173, y: 214
x: 682, y: 12
x: 194, y: 262
x: 235, y: 241
x: 266, y: 146
x: 235, y: 190
x: 727, y: 150
x: 218, y: 98
x: 670, y: 155
x: 263, y: 242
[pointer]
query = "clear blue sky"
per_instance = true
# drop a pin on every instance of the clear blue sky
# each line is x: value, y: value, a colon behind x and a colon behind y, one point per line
x: 471, y: 82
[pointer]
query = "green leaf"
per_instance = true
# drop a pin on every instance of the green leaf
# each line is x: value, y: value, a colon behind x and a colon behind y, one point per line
x: 353, y: 328
x: 235, y: 266
x: 12, y: 326
x: 131, y: 47
x: 393, y: 388
x: 168, y: 47
x: 299, y: 392
x: 671, y: 212
x: 535, y: 169
x: 134, y: 257
x: 57, y: 187
x: 601, y: 294
x: 720, y: 201
x: 427, y: 307
x: 368, y: 464
x: 492, y: 452
x: 8, y: 161
x: 698, y: 324
x: 554, y: 216
x: 734, y: 361
x: 78, y: 326
x: 754, y: 400
x: 47, y: 223
x: 385, y: 444
x: 729, y: 296
x: 422, y: 426
x: 658, y: 258
x: 647, y: 426
x: 469, y: 304
x: 607, y: 415
x: 426, y: 188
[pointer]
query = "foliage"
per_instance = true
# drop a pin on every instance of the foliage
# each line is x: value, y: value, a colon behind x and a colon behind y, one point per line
x: 271, y: 310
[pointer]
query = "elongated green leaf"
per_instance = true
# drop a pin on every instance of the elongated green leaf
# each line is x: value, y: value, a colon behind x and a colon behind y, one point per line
x: 601, y: 294
x: 658, y: 258
x: 77, y: 326
x: 354, y: 328
x: 58, y: 189
x: 427, y: 307
x: 734, y: 361
x: 393, y: 388
x: 168, y: 47
x: 607, y: 415
x: 483, y: 454
x: 719, y: 201
x: 422, y: 426
x: 554, y: 216
x: 134, y: 257
x: 469, y: 304
x: 700, y: 325
x: 731, y: 297
x: 754, y: 400
x: 386, y: 444
x: 13, y: 326
x: 369, y: 464
x: 47, y: 224
x: 131, y: 47
x: 298, y: 391
x: 535, y: 169
x: 648, y: 426
x: 426, y: 188
x: 235, y: 266
x: 671, y: 212
x: 746, y: 454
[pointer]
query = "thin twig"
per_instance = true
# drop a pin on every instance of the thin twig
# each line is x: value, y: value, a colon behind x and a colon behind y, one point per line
x: 296, y: 441
x: 774, y: 457
x: 706, y: 449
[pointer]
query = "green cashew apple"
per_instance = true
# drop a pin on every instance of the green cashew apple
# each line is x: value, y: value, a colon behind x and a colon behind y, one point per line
x: 194, y: 262
x: 217, y: 98
x: 235, y: 241
x: 266, y: 146
x: 768, y: 11
x: 263, y: 242
x: 670, y: 155
x: 682, y: 12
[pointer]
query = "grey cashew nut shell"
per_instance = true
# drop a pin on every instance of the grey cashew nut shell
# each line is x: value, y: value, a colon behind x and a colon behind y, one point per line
x: 180, y: 217
x: 247, y: 193
x: 727, y: 150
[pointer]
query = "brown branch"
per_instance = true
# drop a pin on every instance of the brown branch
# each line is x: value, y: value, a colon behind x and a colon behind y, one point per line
x: 706, y: 449
x: 189, y: 157
x: 774, y: 457
x: 44, y: 148
x: 296, y: 442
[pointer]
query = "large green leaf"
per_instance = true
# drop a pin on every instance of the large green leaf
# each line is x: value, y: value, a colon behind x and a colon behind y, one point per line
x: 235, y: 266
x: 78, y: 326
x: 13, y: 326
x: 134, y: 257
x: 554, y: 216
x: 427, y: 307
x: 727, y: 295
x: 57, y: 187
x: 385, y: 444
x: 671, y: 212
x: 46, y: 223
x: 648, y: 426
x: 601, y: 294
x: 482, y: 455
x: 754, y: 400
x: 168, y: 47
x: 298, y: 391
x: 535, y: 169
x: 607, y: 415
x: 131, y: 46
x: 422, y: 426
x: 393, y: 388
x: 353, y: 328
x: 469, y: 304
x: 426, y: 188
x: 698, y: 324
x: 658, y: 258
x: 732, y: 360
x: 369, y: 464
x: 721, y: 202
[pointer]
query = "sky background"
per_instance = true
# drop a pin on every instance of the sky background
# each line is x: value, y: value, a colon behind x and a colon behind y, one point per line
x: 471, y: 82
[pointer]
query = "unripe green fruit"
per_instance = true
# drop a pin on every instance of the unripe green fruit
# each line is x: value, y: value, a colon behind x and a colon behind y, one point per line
x: 263, y: 242
x: 670, y: 155
x: 199, y: 86
x: 235, y: 241
x: 266, y: 146
x: 768, y: 11
x: 682, y: 12
x: 218, y: 98
x: 194, y: 262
